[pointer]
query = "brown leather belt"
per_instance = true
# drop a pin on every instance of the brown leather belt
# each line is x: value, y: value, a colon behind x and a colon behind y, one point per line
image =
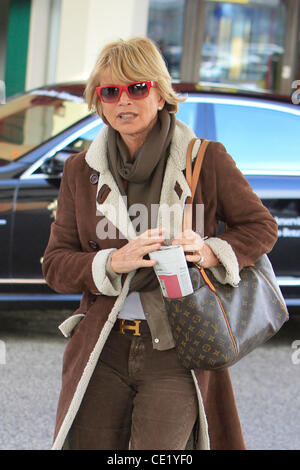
x: 131, y: 327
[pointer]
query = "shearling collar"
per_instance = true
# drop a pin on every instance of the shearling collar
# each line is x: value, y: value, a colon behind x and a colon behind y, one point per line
x: 174, y: 192
x: 96, y: 156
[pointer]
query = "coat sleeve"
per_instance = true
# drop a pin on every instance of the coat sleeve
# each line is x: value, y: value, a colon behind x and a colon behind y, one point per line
x: 251, y: 230
x: 67, y: 268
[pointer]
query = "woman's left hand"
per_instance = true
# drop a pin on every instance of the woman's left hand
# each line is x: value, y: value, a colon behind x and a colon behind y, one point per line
x: 195, y: 248
x: 192, y: 243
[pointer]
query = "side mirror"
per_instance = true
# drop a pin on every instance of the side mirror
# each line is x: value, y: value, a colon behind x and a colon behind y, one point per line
x: 53, y: 166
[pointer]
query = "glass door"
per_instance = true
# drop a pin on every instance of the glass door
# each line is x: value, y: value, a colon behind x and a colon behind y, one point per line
x: 243, y: 43
x: 165, y: 27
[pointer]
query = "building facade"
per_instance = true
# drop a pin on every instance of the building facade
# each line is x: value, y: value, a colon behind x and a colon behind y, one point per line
x: 250, y: 44
x: 52, y: 41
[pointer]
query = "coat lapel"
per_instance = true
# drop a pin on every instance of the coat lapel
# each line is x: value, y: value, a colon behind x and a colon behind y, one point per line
x: 109, y: 200
x: 175, y: 189
x: 114, y: 207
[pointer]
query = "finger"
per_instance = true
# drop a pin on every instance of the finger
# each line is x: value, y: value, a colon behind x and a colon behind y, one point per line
x: 189, y: 247
x: 184, y: 238
x: 193, y: 258
x: 153, y: 232
x: 187, y: 242
x: 187, y: 234
x: 150, y: 241
x: 149, y: 249
x: 145, y: 263
x: 151, y: 237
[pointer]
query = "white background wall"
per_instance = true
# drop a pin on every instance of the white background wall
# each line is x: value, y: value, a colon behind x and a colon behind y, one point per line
x: 38, y: 43
x: 67, y: 35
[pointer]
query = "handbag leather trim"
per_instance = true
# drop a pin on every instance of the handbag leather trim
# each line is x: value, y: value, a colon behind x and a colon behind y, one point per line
x: 192, y: 179
x: 213, y: 289
x: 203, y: 274
x: 267, y: 280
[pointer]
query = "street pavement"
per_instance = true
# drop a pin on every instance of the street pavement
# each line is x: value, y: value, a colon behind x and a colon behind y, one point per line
x: 266, y: 384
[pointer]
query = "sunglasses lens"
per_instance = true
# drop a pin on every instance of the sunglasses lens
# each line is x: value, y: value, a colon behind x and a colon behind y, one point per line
x: 138, y: 90
x: 110, y: 93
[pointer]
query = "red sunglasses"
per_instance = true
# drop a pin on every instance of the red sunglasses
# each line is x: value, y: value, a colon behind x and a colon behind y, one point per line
x: 135, y: 90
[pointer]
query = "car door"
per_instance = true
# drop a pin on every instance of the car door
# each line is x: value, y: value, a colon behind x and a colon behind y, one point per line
x: 33, y: 217
x: 7, y: 191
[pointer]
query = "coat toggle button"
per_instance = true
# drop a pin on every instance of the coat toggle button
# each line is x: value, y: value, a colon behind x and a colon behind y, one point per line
x: 94, y: 178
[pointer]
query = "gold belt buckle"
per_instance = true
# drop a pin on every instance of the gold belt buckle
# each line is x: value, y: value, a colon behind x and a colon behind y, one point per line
x: 135, y: 327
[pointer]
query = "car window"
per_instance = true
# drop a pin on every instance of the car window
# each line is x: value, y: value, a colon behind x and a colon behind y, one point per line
x: 30, y: 120
x: 83, y: 142
x: 258, y: 138
x: 76, y: 144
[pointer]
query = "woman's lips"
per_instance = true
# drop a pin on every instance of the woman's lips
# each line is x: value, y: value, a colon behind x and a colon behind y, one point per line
x: 127, y: 115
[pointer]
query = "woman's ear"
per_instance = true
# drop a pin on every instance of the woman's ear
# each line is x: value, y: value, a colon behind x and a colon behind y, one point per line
x: 161, y: 103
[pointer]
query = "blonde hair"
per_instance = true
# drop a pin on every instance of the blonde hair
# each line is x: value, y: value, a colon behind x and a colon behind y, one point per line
x: 130, y: 61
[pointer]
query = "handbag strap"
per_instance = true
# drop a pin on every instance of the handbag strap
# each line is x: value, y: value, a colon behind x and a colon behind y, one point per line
x: 192, y: 178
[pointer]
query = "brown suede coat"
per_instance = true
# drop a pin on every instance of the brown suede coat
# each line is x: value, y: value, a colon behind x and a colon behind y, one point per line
x: 74, y: 256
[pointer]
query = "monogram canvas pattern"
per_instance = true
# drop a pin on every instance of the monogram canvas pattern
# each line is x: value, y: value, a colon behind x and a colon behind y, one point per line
x: 218, y: 324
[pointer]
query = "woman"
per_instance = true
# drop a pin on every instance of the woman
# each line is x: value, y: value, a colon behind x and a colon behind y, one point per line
x: 122, y: 385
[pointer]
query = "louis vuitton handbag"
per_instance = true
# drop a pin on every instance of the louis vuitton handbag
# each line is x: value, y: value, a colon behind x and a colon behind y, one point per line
x: 216, y: 325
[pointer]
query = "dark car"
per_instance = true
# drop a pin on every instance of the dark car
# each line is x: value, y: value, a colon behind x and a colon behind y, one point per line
x: 40, y: 129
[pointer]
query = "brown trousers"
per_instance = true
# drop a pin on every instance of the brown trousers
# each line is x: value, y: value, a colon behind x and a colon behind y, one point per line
x: 138, y: 398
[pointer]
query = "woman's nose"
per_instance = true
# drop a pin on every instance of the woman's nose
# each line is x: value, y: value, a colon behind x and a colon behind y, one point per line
x: 124, y: 98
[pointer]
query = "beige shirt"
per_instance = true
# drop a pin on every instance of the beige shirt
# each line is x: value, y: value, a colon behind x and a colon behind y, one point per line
x: 155, y: 314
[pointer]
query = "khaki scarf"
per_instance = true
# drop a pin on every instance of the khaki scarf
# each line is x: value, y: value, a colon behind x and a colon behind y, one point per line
x: 140, y: 179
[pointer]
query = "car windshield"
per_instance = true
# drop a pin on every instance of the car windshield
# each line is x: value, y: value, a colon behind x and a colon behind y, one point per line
x: 30, y: 120
x: 262, y: 136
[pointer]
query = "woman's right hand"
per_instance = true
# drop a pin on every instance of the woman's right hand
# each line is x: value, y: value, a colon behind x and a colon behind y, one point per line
x: 131, y: 256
